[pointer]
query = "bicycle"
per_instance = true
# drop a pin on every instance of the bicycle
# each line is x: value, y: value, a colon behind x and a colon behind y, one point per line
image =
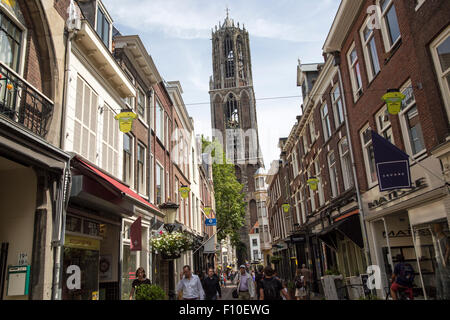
x: 401, y: 294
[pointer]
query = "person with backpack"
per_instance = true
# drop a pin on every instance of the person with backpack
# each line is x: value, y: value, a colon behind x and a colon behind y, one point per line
x: 300, y: 285
x: 258, y: 279
x: 402, y: 278
x: 271, y: 287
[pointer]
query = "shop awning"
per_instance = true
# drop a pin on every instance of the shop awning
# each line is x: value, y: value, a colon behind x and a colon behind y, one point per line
x: 124, y: 190
x: 349, y: 226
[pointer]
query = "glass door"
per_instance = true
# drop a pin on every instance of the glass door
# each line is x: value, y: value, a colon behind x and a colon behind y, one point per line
x: 88, y: 263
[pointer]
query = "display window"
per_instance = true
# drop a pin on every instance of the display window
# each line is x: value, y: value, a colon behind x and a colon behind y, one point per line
x: 432, y: 246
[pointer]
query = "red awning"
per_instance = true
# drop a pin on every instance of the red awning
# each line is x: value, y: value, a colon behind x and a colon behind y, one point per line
x: 119, y: 186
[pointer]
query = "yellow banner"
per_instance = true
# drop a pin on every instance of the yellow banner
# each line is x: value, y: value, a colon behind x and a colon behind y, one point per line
x: 11, y: 3
x: 77, y: 242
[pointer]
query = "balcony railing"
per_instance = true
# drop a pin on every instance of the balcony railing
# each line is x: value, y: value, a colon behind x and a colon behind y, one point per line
x: 22, y: 103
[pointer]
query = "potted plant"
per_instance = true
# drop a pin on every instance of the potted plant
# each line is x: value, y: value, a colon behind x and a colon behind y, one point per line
x: 150, y: 292
x: 171, y: 245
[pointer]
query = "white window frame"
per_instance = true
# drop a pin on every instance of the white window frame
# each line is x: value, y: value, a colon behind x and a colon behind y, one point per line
x: 326, y: 123
x: 131, y: 182
x: 368, y: 57
x: 312, y: 198
x: 443, y: 83
x: 347, y: 173
x: 357, y: 91
x: 419, y: 4
x: 404, y: 126
x: 386, y: 126
x: 23, y: 41
x: 384, y: 28
x: 160, y: 133
x: 162, y: 178
x: 295, y: 163
x: 320, y: 185
x: 144, y: 117
x: 312, y: 131
x: 152, y: 179
x: 142, y: 188
x: 101, y: 7
x: 365, y: 147
x: 335, y: 103
x: 334, y: 178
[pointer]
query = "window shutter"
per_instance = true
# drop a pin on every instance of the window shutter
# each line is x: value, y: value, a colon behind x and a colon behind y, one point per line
x: 94, y: 112
x: 86, y: 106
x: 85, y: 142
x: 79, y: 99
x: 77, y: 137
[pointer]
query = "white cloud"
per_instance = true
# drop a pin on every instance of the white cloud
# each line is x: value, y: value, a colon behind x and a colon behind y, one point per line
x: 194, y: 19
x: 177, y: 34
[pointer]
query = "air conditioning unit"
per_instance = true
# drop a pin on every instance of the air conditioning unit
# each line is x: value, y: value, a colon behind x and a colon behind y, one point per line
x: 74, y: 24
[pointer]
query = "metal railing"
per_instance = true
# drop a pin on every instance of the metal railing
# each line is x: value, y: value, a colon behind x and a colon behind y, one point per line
x: 22, y: 103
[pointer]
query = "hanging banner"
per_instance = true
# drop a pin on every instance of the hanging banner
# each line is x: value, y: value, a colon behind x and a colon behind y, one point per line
x: 136, y: 235
x: 392, y: 164
x: 125, y: 121
x: 211, y: 222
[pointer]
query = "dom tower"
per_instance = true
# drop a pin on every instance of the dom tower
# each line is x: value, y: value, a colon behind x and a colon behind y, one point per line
x: 233, y: 115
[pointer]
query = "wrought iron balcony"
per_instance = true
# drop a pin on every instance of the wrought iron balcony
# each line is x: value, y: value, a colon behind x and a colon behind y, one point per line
x: 22, y: 103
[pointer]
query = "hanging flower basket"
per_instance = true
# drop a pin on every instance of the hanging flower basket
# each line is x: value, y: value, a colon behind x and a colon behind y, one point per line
x: 172, y: 245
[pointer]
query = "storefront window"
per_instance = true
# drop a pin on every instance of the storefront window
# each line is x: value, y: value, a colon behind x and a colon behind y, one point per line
x: 433, y: 250
x: 128, y: 271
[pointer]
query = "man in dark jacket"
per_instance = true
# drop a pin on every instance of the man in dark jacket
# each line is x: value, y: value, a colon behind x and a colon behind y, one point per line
x: 258, y: 280
x: 211, y: 286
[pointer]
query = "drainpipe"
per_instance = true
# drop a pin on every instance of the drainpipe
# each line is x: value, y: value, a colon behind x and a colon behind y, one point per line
x: 352, y: 157
x: 70, y: 35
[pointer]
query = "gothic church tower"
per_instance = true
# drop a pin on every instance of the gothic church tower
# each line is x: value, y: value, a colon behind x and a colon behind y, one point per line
x: 233, y: 114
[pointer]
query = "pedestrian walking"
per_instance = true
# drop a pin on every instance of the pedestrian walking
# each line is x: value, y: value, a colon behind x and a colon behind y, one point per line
x: 258, y: 278
x: 191, y: 285
x: 306, y: 273
x: 141, y: 279
x: 245, y: 284
x: 271, y: 287
x: 211, y: 286
x: 300, y: 286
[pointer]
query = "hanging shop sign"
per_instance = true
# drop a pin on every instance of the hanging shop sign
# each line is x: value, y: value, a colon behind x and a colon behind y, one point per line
x: 84, y: 243
x: 392, y: 164
x: 207, y: 210
x: 394, y: 99
x: 125, y: 121
x: 313, y: 183
x: 184, y: 191
x: 286, y: 207
x: 395, y: 195
x: 211, y: 222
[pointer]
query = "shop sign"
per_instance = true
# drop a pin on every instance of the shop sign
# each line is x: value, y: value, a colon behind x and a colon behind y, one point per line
x: 406, y: 233
x: 395, y: 195
x: 77, y: 242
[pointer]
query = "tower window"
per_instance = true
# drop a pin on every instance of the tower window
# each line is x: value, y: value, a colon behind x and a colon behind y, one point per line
x: 229, y: 54
x: 232, y: 112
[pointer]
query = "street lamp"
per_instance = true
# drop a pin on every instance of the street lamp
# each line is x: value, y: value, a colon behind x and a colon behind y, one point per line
x: 170, y: 211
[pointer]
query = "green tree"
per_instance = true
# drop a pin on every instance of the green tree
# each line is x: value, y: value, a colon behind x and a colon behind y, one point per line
x: 230, y: 200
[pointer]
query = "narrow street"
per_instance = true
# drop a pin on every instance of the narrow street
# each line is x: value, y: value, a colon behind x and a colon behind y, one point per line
x: 226, y: 292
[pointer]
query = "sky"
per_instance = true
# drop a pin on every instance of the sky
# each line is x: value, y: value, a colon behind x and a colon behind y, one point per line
x: 177, y: 34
